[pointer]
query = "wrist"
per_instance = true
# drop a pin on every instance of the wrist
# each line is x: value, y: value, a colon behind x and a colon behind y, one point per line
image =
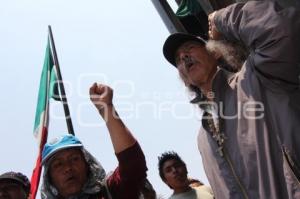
x: 107, y: 111
x: 105, y: 107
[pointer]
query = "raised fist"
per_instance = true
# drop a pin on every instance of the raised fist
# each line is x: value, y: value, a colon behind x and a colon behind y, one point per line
x: 101, y: 95
x: 213, y: 32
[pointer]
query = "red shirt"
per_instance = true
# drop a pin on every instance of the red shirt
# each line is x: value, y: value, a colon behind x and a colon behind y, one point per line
x: 128, y: 178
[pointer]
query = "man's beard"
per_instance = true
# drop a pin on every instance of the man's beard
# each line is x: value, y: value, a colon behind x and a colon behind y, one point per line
x: 232, y: 55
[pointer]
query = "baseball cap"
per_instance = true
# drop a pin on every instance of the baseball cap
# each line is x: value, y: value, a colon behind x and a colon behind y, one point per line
x: 174, y: 41
x: 58, y: 144
x: 17, y: 177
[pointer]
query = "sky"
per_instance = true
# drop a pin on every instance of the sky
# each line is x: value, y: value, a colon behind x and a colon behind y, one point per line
x: 118, y: 43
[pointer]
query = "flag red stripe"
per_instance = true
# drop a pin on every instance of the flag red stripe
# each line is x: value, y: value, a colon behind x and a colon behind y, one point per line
x: 36, y: 174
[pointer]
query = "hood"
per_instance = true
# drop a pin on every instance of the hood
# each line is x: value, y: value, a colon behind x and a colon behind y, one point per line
x: 94, y: 184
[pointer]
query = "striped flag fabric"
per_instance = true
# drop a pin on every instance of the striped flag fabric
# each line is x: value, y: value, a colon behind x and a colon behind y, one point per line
x: 47, y: 89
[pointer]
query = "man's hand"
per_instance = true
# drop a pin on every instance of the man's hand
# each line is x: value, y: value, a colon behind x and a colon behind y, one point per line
x: 101, y: 95
x: 213, y: 33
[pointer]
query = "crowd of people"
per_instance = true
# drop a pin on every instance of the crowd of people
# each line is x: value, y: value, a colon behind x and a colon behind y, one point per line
x: 248, y: 138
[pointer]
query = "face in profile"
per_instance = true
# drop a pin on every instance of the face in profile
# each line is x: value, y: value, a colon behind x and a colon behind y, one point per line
x: 195, y: 64
x: 68, y: 171
x: 10, y: 189
x: 175, y: 174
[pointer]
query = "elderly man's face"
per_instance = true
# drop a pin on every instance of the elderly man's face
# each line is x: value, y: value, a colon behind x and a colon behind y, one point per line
x: 68, y: 171
x: 175, y: 175
x: 195, y: 65
x: 10, y: 189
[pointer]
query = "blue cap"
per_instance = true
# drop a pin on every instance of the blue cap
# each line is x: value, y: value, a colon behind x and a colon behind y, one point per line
x: 58, y: 144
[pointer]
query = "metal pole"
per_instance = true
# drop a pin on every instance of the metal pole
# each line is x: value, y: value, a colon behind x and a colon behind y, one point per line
x: 168, y: 16
x: 206, y: 6
x: 61, y: 84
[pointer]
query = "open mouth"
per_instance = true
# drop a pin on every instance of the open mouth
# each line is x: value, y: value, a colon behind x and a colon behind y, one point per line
x: 177, y: 177
x: 189, y: 65
x: 70, y: 179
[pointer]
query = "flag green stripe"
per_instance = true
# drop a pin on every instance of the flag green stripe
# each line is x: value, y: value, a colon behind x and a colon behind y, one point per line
x: 44, y: 91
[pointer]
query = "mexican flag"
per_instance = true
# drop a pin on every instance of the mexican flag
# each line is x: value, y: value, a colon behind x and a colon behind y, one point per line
x: 48, y: 89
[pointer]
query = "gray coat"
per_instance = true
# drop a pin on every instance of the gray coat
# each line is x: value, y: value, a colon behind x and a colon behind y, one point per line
x: 259, y: 107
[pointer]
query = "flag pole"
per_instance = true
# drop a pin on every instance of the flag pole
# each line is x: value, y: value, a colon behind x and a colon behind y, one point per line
x: 169, y: 18
x: 61, y: 84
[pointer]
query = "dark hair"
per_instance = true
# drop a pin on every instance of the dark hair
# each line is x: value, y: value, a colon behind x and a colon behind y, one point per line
x: 168, y: 155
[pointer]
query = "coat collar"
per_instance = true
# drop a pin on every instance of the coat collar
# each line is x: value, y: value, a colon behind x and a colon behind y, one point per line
x: 220, y: 82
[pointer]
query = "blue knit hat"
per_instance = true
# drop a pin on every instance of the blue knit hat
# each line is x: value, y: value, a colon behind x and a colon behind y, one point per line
x: 58, y: 144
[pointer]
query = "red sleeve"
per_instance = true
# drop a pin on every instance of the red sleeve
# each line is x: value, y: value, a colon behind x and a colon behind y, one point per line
x: 128, y: 177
